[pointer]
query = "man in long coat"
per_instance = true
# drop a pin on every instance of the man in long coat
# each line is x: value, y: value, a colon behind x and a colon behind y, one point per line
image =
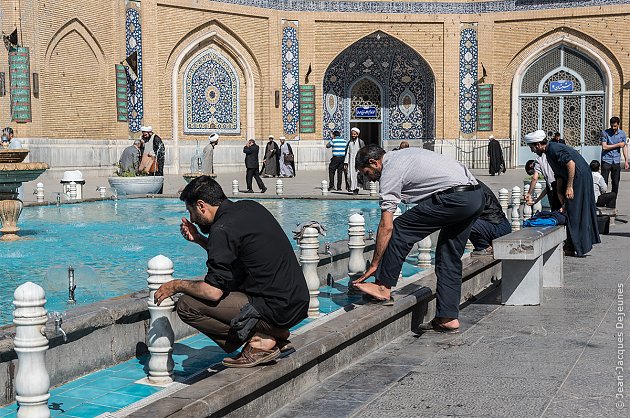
x: 354, y: 145
x: 575, y: 190
x: 271, y: 162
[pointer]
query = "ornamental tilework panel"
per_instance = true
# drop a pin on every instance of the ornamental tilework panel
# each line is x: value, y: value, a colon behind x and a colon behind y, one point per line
x: 404, y: 76
x: 468, y: 79
x: 211, y: 95
x: 135, y: 106
x: 290, y: 78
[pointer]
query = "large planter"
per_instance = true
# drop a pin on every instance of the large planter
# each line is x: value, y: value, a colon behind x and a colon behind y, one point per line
x: 136, y: 185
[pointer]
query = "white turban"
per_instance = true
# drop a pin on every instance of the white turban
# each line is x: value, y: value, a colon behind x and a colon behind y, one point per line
x: 146, y: 129
x: 283, y: 138
x: 535, y: 137
x: 214, y: 138
x: 355, y: 129
x: 271, y: 137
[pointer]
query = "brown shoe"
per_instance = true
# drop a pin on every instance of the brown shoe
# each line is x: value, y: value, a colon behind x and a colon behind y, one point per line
x: 250, y: 357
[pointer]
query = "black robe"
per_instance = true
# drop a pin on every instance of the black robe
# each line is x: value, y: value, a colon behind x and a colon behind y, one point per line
x: 581, y: 212
x: 495, y: 154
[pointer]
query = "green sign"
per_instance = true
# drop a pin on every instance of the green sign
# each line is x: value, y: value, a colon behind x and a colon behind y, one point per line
x: 20, y: 84
x: 484, y: 107
x: 307, y: 109
x: 121, y: 93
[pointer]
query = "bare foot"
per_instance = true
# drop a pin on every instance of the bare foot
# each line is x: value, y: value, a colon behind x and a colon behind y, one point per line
x: 262, y: 341
x: 451, y: 323
x: 378, y: 291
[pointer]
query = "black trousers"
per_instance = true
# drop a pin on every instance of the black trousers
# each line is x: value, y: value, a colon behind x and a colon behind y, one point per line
x: 336, y: 165
x: 615, y: 173
x: 607, y: 200
x: 253, y: 173
x: 452, y: 213
x: 483, y: 232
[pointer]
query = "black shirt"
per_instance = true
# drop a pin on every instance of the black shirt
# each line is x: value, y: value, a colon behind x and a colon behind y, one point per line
x: 492, y: 211
x: 249, y: 252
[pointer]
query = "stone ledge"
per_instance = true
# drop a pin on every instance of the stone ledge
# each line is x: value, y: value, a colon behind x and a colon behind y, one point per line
x: 322, y: 350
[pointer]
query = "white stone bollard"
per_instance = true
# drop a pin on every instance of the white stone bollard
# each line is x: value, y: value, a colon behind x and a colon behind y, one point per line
x: 324, y: 187
x: 356, y: 244
x: 373, y: 189
x: 504, y: 200
x: 101, y: 191
x: 279, y: 187
x: 537, y: 192
x: 32, y: 382
x: 527, y: 211
x: 161, y: 335
x: 234, y: 186
x: 309, y: 258
x: 39, y: 192
x: 424, y: 252
x: 516, y: 203
x: 72, y: 191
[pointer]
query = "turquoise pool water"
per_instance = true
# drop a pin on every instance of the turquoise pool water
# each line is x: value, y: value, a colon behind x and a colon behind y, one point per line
x: 108, y: 243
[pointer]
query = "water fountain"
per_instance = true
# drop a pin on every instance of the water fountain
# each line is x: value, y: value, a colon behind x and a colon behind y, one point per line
x: 202, y: 162
x: 14, y: 172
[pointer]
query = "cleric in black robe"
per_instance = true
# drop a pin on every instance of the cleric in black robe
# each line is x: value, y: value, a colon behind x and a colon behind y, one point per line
x: 495, y: 155
x: 575, y: 193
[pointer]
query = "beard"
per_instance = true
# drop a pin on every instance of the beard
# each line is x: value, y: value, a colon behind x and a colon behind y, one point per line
x: 539, y: 153
x: 374, y: 175
x: 205, y: 229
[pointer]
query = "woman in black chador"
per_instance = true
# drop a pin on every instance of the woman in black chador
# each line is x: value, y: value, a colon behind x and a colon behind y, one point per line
x: 495, y: 154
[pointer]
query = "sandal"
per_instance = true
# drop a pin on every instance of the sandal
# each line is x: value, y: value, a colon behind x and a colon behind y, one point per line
x: 434, y: 325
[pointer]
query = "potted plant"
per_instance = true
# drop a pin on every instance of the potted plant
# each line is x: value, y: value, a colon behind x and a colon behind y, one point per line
x: 130, y: 182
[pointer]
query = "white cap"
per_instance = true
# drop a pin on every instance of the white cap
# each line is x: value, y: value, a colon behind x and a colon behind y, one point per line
x: 271, y: 136
x: 213, y: 138
x: 355, y: 129
x: 283, y: 138
x: 535, y: 137
x: 146, y: 129
x: 491, y: 137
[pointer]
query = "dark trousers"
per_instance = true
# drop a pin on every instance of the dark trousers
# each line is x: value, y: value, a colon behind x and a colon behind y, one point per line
x: 336, y: 165
x: 213, y: 319
x: 615, y: 173
x: 453, y: 214
x: 607, y: 200
x: 483, y: 232
x: 253, y: 173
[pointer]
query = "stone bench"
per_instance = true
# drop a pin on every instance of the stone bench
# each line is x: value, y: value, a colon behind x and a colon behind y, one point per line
x: 531, y: 259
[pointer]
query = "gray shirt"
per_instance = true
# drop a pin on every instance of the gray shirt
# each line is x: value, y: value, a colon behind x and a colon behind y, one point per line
x: 130, y: 159
x: 411, y: 174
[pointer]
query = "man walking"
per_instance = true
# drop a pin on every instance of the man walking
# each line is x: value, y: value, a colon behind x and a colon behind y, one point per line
x: 253, y: 292
x: 613, y: 141
x: 338, y: 145
x: 575, y: 190
x: 447, y: 197
x: 251, y: 165
x: 352, y: 148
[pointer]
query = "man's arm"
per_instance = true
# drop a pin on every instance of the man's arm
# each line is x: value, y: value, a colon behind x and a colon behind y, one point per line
x: 383, y: 235
x: 625, y: 155
x: 532, y: 185
x: 195, y: 288
x: 571, y: 170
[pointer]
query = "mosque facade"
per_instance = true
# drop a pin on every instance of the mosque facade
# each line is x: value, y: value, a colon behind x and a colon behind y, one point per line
x: 79, y: 79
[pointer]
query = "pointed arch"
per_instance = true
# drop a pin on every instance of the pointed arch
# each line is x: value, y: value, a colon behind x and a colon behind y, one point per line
x: 75, y: 25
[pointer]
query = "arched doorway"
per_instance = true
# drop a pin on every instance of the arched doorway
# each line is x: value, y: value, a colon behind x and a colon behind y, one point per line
x: 563, y: 91
x: 390, y: 86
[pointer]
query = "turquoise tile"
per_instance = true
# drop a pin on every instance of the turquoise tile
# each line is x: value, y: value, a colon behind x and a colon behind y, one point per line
x: 88, y: 410
x: 124, y: 366
x: 136, y: 389
x: 110, y: 383
x: 61, y: 404
x: 71, y: 385
x: 9, y: 410
x: 116, y: 400
x: 86, y: 392
x: 11, y: 414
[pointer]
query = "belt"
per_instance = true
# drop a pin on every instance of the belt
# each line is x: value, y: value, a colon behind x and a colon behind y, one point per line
x: 462, y: 188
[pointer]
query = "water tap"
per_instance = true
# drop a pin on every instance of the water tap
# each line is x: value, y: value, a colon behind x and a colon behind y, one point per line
x: 370, y: 234
x: 58, y: 321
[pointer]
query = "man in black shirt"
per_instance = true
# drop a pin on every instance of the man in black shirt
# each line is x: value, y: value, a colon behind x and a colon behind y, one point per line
x: 491, y: 224
x: 254, y: 290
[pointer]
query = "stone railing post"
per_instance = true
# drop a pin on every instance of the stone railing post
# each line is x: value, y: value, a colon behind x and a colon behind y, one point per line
x: 516, y: 203
x: 234, y: 186
x: 537, y: 192
x: 324, y: 187
x: 72, y: 191
x: 309, y: 258
x: 504, y: 199
x: 279, y: 187
x: 356, y: 244
x: 101, y: 191
x: 31, y: 380
x: 39, y: 192
x: 424, y: 252
x: 373, y: 189
x: 161, y: 335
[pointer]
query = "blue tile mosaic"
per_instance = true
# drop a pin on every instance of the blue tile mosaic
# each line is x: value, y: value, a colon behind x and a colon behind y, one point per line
x: 211, y: 95
x: 425, y: 7
x: 290, y: 79
x: 88, y: 410
x: 135, y: 106
x: 468, y: 63
x: 404, y: 77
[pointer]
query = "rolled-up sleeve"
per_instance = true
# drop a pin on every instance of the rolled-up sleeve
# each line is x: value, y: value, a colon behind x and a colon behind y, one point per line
x: 390, y: 192
x: 222, y: 252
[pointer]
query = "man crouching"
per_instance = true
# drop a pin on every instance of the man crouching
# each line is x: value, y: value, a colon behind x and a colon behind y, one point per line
x: 254, y: 290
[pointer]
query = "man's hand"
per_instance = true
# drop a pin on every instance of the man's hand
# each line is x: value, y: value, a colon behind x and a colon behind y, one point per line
x: 167, y: 290
x: 368, y: 273
x: 189, y: 231
x: 626, y: 165
x: 569, y: 193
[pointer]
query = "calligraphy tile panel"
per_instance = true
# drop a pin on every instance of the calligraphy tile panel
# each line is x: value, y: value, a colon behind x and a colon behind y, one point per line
x: 290, y: 79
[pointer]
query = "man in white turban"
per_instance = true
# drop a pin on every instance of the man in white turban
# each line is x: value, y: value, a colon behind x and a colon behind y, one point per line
x: 207, y: 165
x: 354, y: 145
x: 153, y: 149
x: 575, y: 191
